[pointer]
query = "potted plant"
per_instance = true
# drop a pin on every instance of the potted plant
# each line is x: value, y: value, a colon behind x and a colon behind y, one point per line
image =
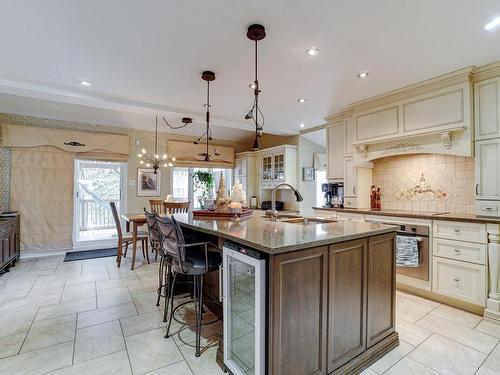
x: 204, y: 188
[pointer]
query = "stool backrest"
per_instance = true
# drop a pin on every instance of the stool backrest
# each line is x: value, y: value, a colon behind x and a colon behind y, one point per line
x: 117, y: 220
x: 171, y: 237
x: 154, y: 233
x: 157, y: 206
x: 176, y: 207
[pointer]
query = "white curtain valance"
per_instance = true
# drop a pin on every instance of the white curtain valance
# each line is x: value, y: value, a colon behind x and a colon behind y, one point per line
x: 83, y: 144
x: 187, y: 155
x: 319, y: 161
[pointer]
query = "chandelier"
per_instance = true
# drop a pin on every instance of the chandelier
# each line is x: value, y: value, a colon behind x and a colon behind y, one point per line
x: 154, y: 160
x: 207, y: 76
x: 256, y: 32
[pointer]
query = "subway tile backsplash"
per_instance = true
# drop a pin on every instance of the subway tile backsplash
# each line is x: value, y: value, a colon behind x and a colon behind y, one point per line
x: 426, y: 182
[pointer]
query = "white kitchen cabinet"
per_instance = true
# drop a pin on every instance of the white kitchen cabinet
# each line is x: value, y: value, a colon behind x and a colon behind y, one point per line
x: 335, y: 151
x: 460, y: 280
x: 278, y: 164
x: 348, y: 137
x: 376, y: 124
x: 460, y: 231
x: 357, y: 184
x: 459, y: 250
x: 350, y: 178
x: 487, y: 169
x: 487, y: 109
x: 442, y: 110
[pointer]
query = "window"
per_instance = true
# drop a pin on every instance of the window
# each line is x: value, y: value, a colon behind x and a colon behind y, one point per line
x: 182, y: 183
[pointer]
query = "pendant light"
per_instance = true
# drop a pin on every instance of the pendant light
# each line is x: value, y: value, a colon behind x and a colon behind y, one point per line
x: 153, y: 160
x: 256, y: 32
x: 208, y: 77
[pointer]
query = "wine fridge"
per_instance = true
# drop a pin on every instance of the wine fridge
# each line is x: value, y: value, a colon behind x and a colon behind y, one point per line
x: 244, y: 310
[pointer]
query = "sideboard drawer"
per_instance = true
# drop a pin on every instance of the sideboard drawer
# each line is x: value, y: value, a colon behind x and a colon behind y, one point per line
x: 460, y: 280
x: 459, y: 250
x: 460, y: 231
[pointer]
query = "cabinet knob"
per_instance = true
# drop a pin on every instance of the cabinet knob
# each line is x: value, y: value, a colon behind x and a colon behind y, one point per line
x: 457, y: 251
x: 456, y: 279
x: 457, y: 230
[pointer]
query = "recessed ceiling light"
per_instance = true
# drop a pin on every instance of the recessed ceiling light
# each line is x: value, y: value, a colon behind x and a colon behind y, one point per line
x: 302, y: 125
x: 363, y: 74
x: 302, y: 100
x: 313, y: 51
x: 252, y: 85
x: 85, y: 83
x: 492, y: 24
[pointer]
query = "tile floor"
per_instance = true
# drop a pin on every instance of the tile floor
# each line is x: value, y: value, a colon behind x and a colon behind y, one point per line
x: 68, y: 318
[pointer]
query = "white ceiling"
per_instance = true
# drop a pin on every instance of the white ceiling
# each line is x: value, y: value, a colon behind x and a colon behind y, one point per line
x: 317, y: 136
x: 145, y: 57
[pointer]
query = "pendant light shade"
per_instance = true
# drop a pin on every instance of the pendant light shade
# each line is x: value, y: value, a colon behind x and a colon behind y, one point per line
x: 255, y: 33
x: 207, y: 76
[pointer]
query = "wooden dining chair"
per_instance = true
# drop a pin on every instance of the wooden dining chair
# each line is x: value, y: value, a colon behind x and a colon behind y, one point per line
x: 176, y: 207
x: 157, y: 206
x: 124, y: 240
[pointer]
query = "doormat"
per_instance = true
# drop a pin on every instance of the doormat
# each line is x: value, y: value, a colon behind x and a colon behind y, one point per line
x: 89, y: 254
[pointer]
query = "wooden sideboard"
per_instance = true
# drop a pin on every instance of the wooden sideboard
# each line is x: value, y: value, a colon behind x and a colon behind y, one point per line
x: 9, y: 243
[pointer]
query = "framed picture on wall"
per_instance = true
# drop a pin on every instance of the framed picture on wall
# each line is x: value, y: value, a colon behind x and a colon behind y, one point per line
x: 148, y: 183
x: 308, y: 174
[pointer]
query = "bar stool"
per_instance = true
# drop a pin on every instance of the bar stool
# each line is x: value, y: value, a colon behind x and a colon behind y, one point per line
x: 192, y: 259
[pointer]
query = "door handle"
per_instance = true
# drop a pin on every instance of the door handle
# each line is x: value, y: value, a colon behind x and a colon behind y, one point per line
x: 221, y: 297
x: 354, y: 190
x: 477, y: 189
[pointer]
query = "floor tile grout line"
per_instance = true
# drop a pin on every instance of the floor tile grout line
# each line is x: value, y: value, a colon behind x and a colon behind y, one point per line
x: 420, y: 363
x: 126, y: 348
x: 458, y: 342
x: 488, y: 356
x: 29, y: 329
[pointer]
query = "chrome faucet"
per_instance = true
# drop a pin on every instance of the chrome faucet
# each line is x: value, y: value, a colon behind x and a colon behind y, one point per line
x: 273, y: 214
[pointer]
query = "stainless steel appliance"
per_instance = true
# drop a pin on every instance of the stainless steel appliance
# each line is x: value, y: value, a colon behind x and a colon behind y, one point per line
x: 412, y: 250
x: 334, y: 195
x: 244, y: 310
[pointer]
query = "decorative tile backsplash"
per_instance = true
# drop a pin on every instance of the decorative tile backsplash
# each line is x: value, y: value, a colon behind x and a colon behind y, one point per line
x: 426, y: 182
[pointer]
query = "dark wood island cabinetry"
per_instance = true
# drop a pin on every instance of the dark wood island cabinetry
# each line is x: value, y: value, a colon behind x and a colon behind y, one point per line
x: 331, y: 306
x: 9, y: 242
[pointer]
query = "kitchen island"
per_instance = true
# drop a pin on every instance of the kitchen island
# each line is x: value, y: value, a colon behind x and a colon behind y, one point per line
x: 325, y: 291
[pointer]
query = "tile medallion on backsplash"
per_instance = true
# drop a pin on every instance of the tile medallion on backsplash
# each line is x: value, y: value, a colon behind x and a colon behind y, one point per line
x: 426, y: 182
x: 423, y: 189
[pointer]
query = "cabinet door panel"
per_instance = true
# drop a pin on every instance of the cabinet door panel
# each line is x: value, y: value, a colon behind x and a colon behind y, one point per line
x: 350, y: 179
x: 378, y: 124
x: 487, y: 169
x: 487, y: 111
x: 335, y: 151
x: 441, y: 110
x: 381, y: 288
x: 349, y: 137
x: 299, y: 312
x: 347, y: 302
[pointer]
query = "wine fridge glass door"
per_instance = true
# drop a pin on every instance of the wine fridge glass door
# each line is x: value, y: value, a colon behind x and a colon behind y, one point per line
x: 244, y: 315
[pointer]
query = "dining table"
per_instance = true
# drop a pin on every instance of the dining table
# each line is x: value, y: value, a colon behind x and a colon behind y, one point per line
x: 136, y: 220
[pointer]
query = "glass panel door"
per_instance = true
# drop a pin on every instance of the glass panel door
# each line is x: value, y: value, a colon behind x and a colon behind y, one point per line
x: 267, y: 168
x: 244, y: 317
x: 279, y: 167
x: 97, y: 183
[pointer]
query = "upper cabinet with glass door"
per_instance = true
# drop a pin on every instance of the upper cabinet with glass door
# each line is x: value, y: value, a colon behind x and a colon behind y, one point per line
x: 278, y: 164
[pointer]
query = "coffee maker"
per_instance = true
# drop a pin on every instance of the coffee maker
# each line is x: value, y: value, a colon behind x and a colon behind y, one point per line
x: 334, y: 195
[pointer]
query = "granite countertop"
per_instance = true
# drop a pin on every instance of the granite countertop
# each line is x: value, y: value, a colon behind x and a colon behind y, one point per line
x: 418, y: 214
x: 274, y: 237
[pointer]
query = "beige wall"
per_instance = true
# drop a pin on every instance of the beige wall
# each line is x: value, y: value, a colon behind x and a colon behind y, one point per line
x: 451, y: 177
x: 143, y: 138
